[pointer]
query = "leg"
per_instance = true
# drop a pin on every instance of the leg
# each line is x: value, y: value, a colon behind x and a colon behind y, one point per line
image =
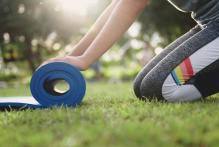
x: 158, y: 58
x: 198, y: 52
x: 195, y: 77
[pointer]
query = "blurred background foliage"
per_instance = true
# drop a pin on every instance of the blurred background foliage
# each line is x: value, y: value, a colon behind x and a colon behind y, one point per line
x: 32, y: 31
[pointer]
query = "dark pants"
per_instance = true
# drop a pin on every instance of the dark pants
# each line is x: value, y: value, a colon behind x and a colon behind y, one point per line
x: 149, y: 82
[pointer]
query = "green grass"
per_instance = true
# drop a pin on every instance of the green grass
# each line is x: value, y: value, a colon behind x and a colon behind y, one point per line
x: 111, y: 116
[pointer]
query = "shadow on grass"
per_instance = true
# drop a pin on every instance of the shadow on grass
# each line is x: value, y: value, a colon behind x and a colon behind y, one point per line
x: 111, y: 102
x: 209, y: 100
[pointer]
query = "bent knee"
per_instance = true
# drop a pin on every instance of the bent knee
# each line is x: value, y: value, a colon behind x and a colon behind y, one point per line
x: 136, y: 87
x: 137, y: 83
x: 151, y: 90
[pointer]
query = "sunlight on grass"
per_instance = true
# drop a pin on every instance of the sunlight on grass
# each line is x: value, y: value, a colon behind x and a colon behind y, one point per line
x: 111, y: 115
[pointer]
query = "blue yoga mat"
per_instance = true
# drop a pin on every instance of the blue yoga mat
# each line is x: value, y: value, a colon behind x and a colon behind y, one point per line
x: 43, y: 92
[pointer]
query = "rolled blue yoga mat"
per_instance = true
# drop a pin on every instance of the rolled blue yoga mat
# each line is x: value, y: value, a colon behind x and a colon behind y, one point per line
x: 43, y: 88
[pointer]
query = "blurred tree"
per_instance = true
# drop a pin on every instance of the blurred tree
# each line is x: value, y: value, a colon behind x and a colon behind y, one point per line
x: 38, y: 28
x: 163, y: 18
x: 31, y: 22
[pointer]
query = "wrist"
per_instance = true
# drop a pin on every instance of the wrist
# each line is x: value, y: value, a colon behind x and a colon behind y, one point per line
x: 85, y: 62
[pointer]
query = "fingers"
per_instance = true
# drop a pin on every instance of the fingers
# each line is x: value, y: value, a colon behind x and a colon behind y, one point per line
x: 75, y: 61
x: 51, y: 60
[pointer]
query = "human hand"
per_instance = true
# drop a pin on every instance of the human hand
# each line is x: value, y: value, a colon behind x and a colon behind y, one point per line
x: 78, y: 61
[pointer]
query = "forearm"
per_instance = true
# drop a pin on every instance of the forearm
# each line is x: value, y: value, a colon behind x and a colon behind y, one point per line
x: 120, y: 20
x: 85, y: 42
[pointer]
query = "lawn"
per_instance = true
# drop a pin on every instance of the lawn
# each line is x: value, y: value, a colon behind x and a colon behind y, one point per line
x: 111, y: 116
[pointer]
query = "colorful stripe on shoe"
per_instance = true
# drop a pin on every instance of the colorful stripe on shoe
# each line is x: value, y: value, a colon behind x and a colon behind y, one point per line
x: 183, y: 72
